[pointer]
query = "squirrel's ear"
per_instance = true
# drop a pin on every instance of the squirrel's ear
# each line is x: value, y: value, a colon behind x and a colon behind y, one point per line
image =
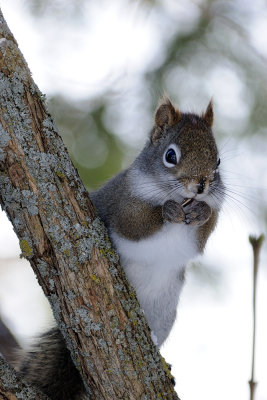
x: 208, y: 115
x: 166, y: 115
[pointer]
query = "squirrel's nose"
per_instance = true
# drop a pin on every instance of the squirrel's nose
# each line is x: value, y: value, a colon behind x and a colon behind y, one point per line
x: 197, y: 188
x: 201, y: 186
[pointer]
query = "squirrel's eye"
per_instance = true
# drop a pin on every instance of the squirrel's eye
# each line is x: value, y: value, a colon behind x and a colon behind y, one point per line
x: 171, y: 156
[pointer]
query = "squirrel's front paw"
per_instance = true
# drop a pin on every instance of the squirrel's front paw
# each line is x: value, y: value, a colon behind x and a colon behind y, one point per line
x: 173, y: 212
x: 197, y: 213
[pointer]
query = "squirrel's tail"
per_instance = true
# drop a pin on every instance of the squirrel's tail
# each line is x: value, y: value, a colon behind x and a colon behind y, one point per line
x: 8, y: 344
x: 48, y: 365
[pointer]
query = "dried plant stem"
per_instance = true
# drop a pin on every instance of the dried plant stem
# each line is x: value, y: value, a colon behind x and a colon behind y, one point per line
x: 256, y: 244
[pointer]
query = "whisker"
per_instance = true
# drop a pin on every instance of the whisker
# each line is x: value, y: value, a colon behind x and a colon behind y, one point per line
x: 234, y: 199
x: 237, y: 174
x: 250, y: 187
x: 217, y: 199
x: 243, y: 195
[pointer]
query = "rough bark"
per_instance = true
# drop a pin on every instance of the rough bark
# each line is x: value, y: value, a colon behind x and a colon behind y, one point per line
x: 68, y: 247
x: 13, y: 387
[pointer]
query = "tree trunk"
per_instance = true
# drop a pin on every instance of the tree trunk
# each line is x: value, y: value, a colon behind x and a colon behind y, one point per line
x: 68, y: 247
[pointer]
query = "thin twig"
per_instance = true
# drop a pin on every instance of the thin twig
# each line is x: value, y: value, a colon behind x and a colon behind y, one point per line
x: 256, y: 244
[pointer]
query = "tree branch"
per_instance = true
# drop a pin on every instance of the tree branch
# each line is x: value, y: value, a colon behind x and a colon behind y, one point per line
x: 68, y: 247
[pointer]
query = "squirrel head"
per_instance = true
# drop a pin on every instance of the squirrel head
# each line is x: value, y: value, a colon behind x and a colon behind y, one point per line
x: 182, y: 155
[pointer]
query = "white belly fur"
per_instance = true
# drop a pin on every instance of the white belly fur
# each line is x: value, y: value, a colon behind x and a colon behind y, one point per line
x: 154, y: 266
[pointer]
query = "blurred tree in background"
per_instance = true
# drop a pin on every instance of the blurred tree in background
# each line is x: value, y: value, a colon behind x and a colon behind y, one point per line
x: 203, y: 48
x: 95, y: 149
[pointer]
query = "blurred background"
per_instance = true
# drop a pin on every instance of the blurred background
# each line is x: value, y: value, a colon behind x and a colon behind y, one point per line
x: 103, y: 66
